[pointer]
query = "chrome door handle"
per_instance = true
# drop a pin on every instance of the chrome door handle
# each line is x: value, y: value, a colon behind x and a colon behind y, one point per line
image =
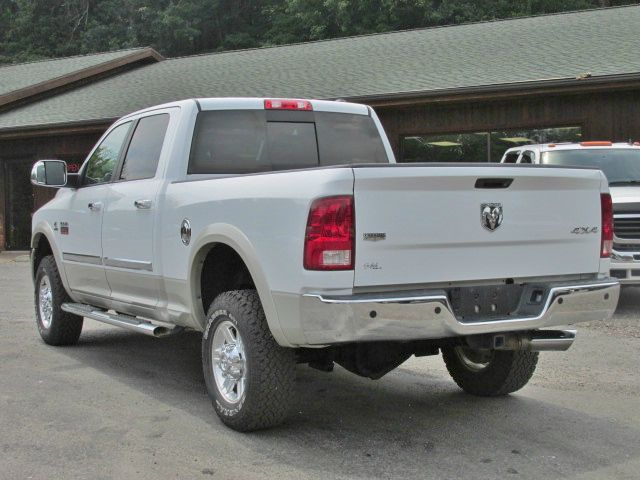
x: 143, y: 204
x: 95, y: 206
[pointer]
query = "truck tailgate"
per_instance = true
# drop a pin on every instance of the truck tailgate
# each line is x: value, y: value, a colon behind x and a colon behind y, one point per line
x: 424, y: 224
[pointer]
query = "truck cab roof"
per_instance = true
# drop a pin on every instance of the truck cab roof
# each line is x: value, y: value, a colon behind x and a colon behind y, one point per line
x: 546, y: 147
x: 263, y: 103
x: 533, y: 153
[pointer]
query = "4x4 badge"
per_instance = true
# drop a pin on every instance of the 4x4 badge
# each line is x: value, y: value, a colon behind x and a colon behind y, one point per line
x: 491, y: 215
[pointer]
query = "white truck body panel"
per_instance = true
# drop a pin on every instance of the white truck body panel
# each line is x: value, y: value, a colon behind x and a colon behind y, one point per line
x: 432, y: 220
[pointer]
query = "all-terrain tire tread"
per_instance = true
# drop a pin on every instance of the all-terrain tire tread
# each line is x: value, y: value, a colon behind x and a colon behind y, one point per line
x: 66, y: 327
x: 271, y: 368
x: 508, y: 372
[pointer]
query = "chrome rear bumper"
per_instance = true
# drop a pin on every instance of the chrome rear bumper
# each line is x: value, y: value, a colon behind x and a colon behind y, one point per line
x: 428, y: 314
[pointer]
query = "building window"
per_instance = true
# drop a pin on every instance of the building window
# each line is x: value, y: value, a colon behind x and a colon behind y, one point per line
x: 480, y: 146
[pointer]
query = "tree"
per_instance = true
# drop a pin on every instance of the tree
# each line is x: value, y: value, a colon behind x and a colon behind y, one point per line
x: 33, y: 29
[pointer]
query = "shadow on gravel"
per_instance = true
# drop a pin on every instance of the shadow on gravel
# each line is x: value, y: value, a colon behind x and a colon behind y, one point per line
x: 629, y: 302
x: 401, y: 425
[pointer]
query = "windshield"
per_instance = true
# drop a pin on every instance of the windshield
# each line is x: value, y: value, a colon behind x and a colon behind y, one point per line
x: 620, y: 165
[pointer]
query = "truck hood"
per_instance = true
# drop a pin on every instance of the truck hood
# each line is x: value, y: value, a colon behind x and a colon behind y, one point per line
x: 626, y: 198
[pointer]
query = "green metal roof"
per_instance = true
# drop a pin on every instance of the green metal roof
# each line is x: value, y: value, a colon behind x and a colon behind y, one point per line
x: 604, y: 42
x: 24, y: 75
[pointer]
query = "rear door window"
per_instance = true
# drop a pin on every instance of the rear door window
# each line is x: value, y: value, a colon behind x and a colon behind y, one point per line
x: 143, y: 154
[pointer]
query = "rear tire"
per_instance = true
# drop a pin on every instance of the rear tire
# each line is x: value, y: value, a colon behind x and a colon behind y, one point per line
x: 489, y: 373
x: 250, y: 378
x: 56, y: 326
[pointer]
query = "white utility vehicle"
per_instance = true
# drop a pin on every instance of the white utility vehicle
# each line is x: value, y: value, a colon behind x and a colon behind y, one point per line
x: 620, y: 162
x: 284, y: 230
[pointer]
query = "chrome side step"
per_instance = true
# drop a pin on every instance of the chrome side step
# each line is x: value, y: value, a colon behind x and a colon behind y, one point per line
x: 119, y: 320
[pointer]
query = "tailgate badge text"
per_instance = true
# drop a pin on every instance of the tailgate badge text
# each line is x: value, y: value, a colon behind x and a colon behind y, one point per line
x: 374, y: 237
x: 584, y: 230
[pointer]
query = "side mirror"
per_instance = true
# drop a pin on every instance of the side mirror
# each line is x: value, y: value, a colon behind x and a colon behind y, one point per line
x: 49, y: 173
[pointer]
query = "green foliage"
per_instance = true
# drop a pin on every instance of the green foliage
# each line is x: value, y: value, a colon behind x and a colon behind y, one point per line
x: 33, y: 29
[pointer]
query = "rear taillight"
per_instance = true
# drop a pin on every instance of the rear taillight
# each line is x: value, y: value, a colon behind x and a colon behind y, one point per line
x: 328, y: 243
x: 284, y: 104
x: 596, y: 144
x: 607, y: 225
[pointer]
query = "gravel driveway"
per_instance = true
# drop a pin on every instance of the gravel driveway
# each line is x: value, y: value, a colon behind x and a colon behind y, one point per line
x: 124, y: 406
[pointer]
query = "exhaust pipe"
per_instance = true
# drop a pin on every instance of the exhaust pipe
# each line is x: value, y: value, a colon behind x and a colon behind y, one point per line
x: 532, y: 341
x: 536, y: 341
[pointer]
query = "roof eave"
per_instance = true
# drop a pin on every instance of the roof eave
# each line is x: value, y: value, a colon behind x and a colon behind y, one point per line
x: 501, y: 91
x: 39, y: 90
x: 399, y: 99
x: 67, y: 128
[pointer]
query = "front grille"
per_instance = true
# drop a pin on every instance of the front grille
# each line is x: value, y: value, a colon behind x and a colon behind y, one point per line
x: 626, y: 247
x: 627, y: 227
x: 618, y: 273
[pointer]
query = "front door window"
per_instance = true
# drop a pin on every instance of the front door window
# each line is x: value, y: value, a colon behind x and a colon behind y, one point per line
x: 103, y: 160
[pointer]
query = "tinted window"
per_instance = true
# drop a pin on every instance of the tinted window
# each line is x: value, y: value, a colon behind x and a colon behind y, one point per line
x: 620, y: 165
x: 345, y: 139
x: 291, y: 145
x: 229, y: 142
x: 511, y: 157
x: 527, y: 157
x: 144, y: 150
x: 103, y: 161
x: 244, y: 142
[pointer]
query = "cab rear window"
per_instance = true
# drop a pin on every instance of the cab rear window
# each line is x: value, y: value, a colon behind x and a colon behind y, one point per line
x: 248, y: 141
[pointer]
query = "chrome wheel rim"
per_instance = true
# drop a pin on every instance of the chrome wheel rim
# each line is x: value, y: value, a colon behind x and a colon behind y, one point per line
x: 45, y: 301
x: 474, y: 360
x: 229, y: 362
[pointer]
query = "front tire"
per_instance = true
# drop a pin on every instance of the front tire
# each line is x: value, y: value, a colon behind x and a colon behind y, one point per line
x: 56, y: 326
x: 249, y: 377
x: 489, y: 373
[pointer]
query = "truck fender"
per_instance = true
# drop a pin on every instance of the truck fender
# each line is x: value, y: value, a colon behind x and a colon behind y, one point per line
x: 223, y: 233
x: 40, y: 229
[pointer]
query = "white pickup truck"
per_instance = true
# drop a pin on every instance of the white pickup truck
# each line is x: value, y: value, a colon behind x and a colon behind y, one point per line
x: 284, y: 230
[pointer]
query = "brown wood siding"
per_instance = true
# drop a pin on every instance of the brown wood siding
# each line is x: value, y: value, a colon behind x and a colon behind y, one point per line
x: 28, y: 150
x: 603, y: 116
x: 2, y: 207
